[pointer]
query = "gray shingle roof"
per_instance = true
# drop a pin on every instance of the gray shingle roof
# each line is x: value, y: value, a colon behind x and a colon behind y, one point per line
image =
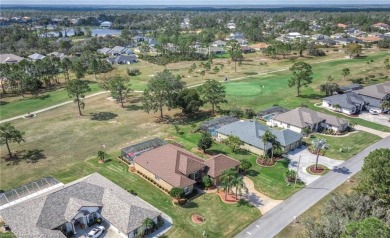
x: 36, y: 56
x: 378, y: 91
x: 122, y: 59
x: 10, y: 58
x: 250, y: 132
x: 302, y: 117
x: 346, y: 100
x: 38, y: 216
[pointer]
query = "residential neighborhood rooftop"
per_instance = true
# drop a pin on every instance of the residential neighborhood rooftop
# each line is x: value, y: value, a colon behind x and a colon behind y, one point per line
x: 376, y: 91
x: 251, y: 132
x: 301, y: 117
x: 41, y: 216
x: 171, y: 163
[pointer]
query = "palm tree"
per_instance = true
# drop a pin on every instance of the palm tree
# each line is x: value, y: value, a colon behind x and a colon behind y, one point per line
x: 266, y: 138
x: 227, y: 177
x: 148, y: 223
x: 101, y: 155
x: 238, y: 182
x: 275, y: 146
x: 318, y: 144
x: 385, y: 104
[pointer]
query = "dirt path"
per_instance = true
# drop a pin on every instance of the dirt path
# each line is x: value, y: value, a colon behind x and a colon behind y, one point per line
x: 259, y: 200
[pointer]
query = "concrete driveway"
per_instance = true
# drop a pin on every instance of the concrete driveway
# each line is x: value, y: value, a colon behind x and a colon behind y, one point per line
x: 257, y: 199
x: 308, y: 159
x: 382, y: 119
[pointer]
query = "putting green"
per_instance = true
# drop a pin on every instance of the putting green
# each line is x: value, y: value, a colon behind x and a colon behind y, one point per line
x: 243, y: 88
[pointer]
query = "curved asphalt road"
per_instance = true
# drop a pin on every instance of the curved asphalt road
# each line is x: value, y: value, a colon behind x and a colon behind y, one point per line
x: 282, y: 215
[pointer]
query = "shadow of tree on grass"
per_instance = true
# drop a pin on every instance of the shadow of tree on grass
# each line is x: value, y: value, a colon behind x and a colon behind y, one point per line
x: 133, y: 108
x: 103, y: 116
x: 30, y: 156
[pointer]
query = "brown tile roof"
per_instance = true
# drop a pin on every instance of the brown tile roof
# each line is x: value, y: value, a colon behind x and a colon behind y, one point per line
x: 219, y: 163
x: 171, y: 163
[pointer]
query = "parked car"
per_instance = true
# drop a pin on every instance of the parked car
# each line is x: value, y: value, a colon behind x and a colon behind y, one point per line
x: 374, y: 112
x: 96, y: 232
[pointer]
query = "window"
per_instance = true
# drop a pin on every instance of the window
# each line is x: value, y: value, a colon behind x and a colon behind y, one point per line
x: 186, y: 189
x: 156, y: 177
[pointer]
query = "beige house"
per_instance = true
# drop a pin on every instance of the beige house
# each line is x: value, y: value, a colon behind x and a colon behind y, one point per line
x: 301, y: 118
x: 172, y: 166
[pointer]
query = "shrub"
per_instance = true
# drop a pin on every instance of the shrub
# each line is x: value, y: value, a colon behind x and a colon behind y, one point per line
x: 207, y: 182
x: 249, y: 113
x: 245, y: 165
x: 358, y: 80
x: 236, y: 112
x: 290, y: 175
x: 133, y: 72
x: 177, y: 193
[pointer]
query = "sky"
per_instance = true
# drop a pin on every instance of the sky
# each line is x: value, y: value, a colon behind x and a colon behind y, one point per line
x: 191, y: 2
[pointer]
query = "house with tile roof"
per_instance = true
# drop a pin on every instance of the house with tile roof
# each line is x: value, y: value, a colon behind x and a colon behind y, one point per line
x: 301, y: 118
x: 250, y: 132
x: 172, y: 166
x: 67, y: 209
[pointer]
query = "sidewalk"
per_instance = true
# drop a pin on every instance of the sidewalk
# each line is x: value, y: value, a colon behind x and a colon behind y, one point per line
x: 381, y: 134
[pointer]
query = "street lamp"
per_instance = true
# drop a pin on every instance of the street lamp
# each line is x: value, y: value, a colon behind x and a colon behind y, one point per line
x: 296, y: 175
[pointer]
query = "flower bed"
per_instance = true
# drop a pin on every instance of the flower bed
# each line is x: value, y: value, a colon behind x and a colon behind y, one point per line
x: 197, y: 219
x: 270, y: 163
x: 321, y: 169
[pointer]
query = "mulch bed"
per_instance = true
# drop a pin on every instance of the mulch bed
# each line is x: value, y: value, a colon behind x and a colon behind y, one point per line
x: 197, y: 219
x: 261, y: 162
x: 231, y: 198
x: 320, y: 169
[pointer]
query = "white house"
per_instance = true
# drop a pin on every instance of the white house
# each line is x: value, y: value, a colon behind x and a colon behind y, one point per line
x: 301, y: 118
x: 293, y: 35
x: 106, y: 24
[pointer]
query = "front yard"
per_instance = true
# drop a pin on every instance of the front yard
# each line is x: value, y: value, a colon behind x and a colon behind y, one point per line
x: 268, y: 180
x: 343, y: 148
x: 209, y: 206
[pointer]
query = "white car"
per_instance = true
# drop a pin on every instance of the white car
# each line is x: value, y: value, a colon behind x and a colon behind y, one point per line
x: 96, y: 232
x: 373, y: 112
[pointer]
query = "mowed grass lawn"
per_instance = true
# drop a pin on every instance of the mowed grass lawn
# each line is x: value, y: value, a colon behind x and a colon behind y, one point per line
x: 209, y: 206
x: 343, y: 148
x: 269, y: 181
x: 32, y: 103
x: 59, y: 138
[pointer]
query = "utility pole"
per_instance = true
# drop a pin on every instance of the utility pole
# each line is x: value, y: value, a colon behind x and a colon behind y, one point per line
x: 296, y: 176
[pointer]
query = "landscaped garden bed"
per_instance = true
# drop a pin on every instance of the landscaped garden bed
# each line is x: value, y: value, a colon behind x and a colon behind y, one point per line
x: 321, y: 169
x: 197, y: 219
x: 230, y: 198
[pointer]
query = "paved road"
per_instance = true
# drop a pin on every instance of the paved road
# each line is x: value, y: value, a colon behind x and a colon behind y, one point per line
x: 282, y: 215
